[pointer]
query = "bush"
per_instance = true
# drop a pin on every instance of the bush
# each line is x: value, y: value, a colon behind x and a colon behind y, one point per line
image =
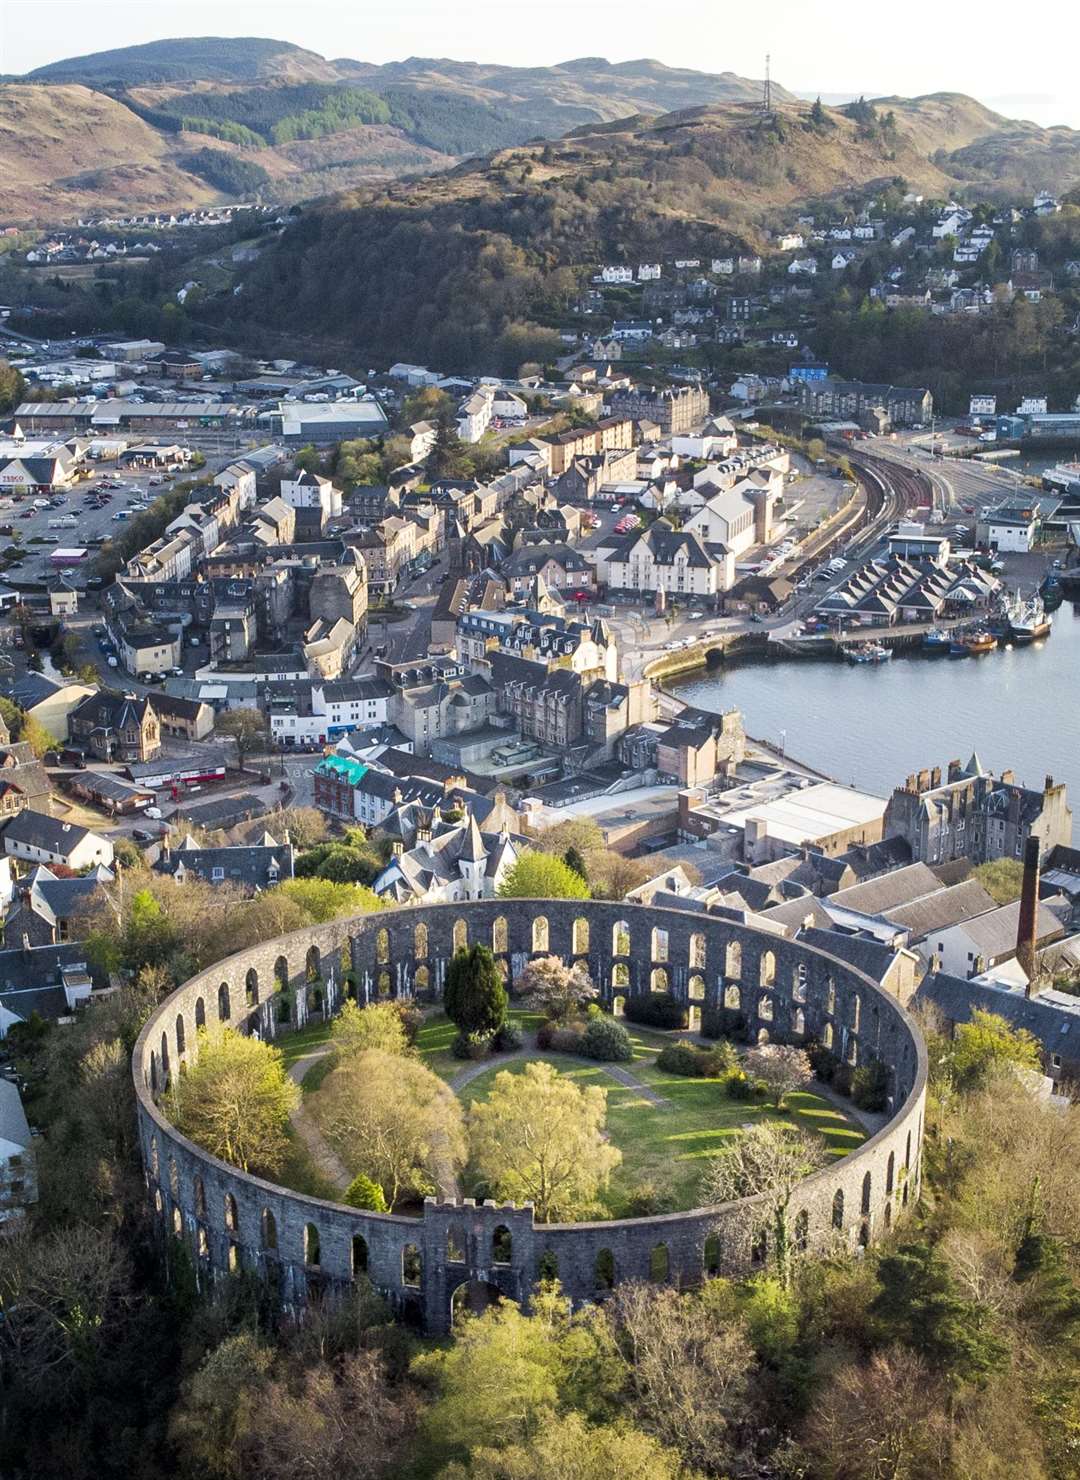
x: 719, y: 1061
x: 594, y: 1010
x: 823, y: 1061
x: 657, y: 1010
x: 508, y: 1038
x: 544, y: 1034
x: 647, y: 1200
x: 567, y: 1040
x: 870, y: 1085
x: 471, y: 1046
x: 739, y: 1087
x: 412, y: 1017
x: 607, y: 1040
x: 680, y: 1058
x: 722, y: 1022
x: 362, y: 1192
x: 841, y: 1080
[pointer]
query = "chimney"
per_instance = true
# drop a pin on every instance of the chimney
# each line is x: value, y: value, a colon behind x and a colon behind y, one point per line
x: 935, y: 778
x: 955, y: 769
x: 1048, y: 785
x: 1027, y: 930
x: 1008, y: 778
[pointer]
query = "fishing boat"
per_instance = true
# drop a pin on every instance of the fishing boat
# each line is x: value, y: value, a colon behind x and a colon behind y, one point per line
x: 935, y: 641
x: 1051, y: 593
x: 958, y: 648
x: 869, y: 652
x: 1034, y: 621
x: 980, y: 641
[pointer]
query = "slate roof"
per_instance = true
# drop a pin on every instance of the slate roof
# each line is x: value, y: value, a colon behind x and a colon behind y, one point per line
x: 14, y: 1126
x: 870, y: 956
x: 37, y: 830
x: 30, y: 978
x: 994, y: 934
x: 253, y: 866
x: 59, y: 899
x: 1053, y: 1017
x: 665, y: 544
x: 890, y: 891
x: 945, y: 908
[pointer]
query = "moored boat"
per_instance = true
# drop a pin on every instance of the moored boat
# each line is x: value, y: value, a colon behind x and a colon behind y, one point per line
x: 980, y: 642
x: 868, y: 652
x: 935, y: 641
x: 1033, y: 622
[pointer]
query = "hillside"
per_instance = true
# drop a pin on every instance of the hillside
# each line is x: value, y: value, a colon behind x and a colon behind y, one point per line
x: 466, y: 267
x: 191, y: 59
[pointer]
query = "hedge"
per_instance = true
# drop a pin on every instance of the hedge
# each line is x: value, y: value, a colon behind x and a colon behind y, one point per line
x: 657, y: 1010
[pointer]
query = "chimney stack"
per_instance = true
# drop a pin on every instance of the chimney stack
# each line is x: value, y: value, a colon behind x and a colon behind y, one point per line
x: 1027, y: 930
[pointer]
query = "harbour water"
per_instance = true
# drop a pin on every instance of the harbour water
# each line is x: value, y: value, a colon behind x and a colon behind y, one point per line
x: 873, y: 724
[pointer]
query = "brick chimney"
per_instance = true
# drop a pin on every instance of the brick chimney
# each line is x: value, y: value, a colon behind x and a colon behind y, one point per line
x: 1027, y: 930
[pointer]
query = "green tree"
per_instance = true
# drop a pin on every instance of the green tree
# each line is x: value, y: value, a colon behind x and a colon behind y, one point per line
x: 235, y: 1100
x: 540, y: 1138
x: 362, y: 1192
x: 12, y: 387
x: 323, y: 899
x: 568, y: 1446
x: 541, y: 876
x: 987, y: 1041
x: 919, y: 1304
x: 357, y: 1029
x: 573, y: 859
x: 474, y: 996
x: 1002, y: 878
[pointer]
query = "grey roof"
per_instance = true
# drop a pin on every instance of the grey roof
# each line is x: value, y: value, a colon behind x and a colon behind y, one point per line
x: 939, y: 911
x: 59, y: 899
x: 870, y: 956
x: 1053, y: 1017
x: 889, y: 891
x: 14, y: 1126
x: 249, y: 867
x: 994, y: 934
x: 30, y: 978
x: 35, y: 829
x: 31, y: 688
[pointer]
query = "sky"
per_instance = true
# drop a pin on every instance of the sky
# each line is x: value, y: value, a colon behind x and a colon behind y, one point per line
x: 1019, y: 60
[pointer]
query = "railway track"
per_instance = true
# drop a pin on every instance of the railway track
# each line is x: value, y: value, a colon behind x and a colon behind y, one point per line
x: 893, y: 490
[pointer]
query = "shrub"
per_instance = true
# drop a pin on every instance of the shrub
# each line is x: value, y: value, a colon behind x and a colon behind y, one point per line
x: 739, y: 1087
x: 719, y: 1061
x: 471, y: 1045
x: 870, y: 1085
x: 412, y: 1017
x: 594, y: 1010
x: 567, y: 1040
x: 680, y: 1058
x: 508, y: 1038
x: 657, y: 1010
x: 646, y: 1200
x: 842, y: 1077
x: 362, y: 1192
x: 722, y: 1022
x: 823, y: 1061
x: 544, y: 1034
x: 607, y: 1040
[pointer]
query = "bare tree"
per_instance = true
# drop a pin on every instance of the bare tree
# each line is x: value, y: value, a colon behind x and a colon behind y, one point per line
x: 767, y: 1161
x: 689, y: 1366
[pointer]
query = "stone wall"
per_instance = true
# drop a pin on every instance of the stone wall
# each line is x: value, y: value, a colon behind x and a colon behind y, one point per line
x: 785, y: 990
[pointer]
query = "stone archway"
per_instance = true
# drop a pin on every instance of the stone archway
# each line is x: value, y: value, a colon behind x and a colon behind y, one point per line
x: 473, y: 1298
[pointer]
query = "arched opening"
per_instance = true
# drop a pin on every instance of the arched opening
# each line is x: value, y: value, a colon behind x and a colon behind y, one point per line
x: 798, y: 1023
x: 658, y: 980
x: 838, y: 1208
x: 659, y: 944
x: 659, y: 1264
x: 697, y: 951
x: 904, y: 1194
x: 199, y: 1197
x: 223, y: 1005
x: 359, y: 1255
x: 421, y: 979
x: 888, y: 1215
x: 420, y: 945
x: 693, y: 1018
x: 733, y: 961
x: 382, y: 986
x: 251, y: 987
x: 604, y: 1270
x: 181, y: 1035
x: 579, y: 941
x: 313, y: 964
x: 765, y: 1008
x: 695, y: 989
x: 234, y: 1258
x: 620, y: 974
x: 798, y: 988
x: 710, y: 1261
x: 540, y: 934
x: 174, y: 1179
x: 268, y: 1231
x: 502, y: 1245
x: 732, y: 997
x: 618, y: 1006
x: 866, y: 1196
x: 154, y: 1166
x: 232, y: 1221
x: 177, y: 1222
x: 827, y: 1035
x: 802, y: 1231
x: 763, y: 1035
x: 281, y: 974
x: 312, y: 1249
x: 856, y: 1011
x: 907, y: 1152
x: 473, y: 1298
x: 547, y: 1266
x: 412, y: 1266
x: 864, y: 1234
x: 202, y: 1243
x: 461, y: 936
x: 500, y: 936
x: 455, y: 1249
x: 890, y: 1173
x: 830, y: 996
x: 382, y: 946
x: 620, y: 938
x: 159, y: 1201
x: 164, y: 1060
x: 759, y: 1249
x: 767, y: 969
x: 200, y: 1013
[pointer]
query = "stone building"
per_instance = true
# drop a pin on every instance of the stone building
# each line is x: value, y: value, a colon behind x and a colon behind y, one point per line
x: 675, y: 409
x: 114, y: 726
x: 341, y: 591
x: 974, y: 814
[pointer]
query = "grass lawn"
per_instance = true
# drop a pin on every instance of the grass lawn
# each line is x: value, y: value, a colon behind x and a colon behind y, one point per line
x: 438, y: 1033
x: 295, y: 1045
x: 664, y: 1145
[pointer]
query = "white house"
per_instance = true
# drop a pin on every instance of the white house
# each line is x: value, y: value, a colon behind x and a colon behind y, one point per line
x: 18, y: 1174
x: 724, y: 266
x: 662, y: 559
x: 737, y: 517
x: 903, y: 236
x: 616, y: 274
x: 457, y: 863
x: 791, y: 241
x: 803, y: 266
x: 951, y: 223
x: 312, y: 491
x: 648, y: 272
x: 238, y: 476
x: 749, y: 264
x: 841, y: 260
x: 974, y: 946
x: 475, y: 413
x: 41, y: 839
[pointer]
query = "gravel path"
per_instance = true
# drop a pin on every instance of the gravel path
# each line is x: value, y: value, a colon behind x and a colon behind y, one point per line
x: 322, y: 1154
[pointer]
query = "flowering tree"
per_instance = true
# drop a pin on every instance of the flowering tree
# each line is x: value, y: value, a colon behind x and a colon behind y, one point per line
x: 557, y: 989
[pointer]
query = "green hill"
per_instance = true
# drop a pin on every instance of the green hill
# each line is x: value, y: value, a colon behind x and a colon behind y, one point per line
x: 190, y: 59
